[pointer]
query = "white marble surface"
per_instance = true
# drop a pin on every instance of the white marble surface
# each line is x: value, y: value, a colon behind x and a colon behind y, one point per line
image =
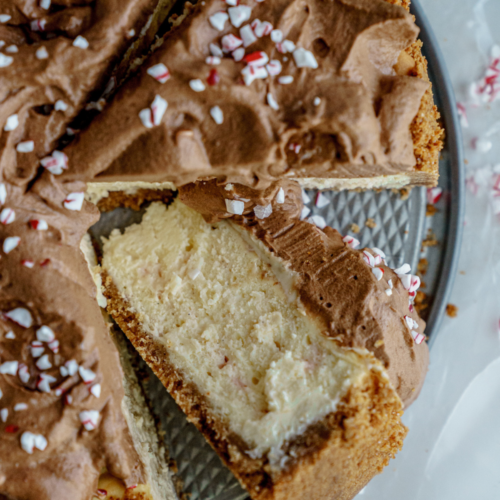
x: 453, y: 448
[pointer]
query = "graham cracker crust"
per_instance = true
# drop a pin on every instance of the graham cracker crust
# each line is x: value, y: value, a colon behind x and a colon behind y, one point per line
x: 332, y: 459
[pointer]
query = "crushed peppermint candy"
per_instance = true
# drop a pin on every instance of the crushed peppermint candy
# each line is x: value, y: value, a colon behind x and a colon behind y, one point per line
x: 38, y: 224
x: 95, y: 390
x: 405, y: 280
x: 70, y: 368
x: 251, y: 73
x: 56, y: 163
x: 230, y: 42
x: 404, y: 269
x: 54, y: 346
x: 285, y: 80
x: 388, y: 292
x: 280, y: 196
x: 418, y: 337
x: 197, y: 85
x: 21, y: 316
x: 38, y: 25
x: 25, y: 147
x: 4, y: 18
x: 37, y: 348
x: 74, y: 201
x: 3, y: 193
x: 274, y: 67
x: 238, y: 54
x: 87, y: 375
x: 239, y: 14
x: 410, y: 323
x: 379, y: 252
x: 235, y: 207
x: 68, y: 399
x: 81, y: 42
x: 89, y: 419
x: 247, y: 35
x: 304, y: 58
x: 321, y: 200
x: 378, y: 272
x: 263, y: 212
x: 44, y: 363
x: 276, y: 36
x: 152, y: 116
x: 351, y: 242
x: 272, y: 101
x: 213, y: 77
x: 368, y: 258
x: 20, y: 407
x: 45, y: 4
x: 23, y: 373
x: 5, y: 60
x: 217, y: 115
x: 12, y: 123
x: 414, y: 284
x: 42, y: 53
x: 258, y: 58
x: 317, y: 101
x: 12, y: 49
x: 60, y: 105
x: 45, y: 334
x: 7, y: 216
x: 218, y: 20
x: 9, y: 368
x: 30, y: 441
x: 215, y: 50
x: 159, y: 72
x: 4, y: 414
x: 44, y: 381
x: 10, y: 335
x: 213, y: 60
x: 261, y: 28
x: 318, y: 221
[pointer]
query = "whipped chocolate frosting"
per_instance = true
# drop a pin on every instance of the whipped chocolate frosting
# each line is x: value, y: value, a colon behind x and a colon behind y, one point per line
x: 52, y: 62
x: 335, y: 282
x: 65, y: 362
x: 314, y: 95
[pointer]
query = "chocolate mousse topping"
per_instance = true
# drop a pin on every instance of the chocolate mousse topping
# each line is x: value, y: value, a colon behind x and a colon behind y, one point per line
x: 361, y: 301
x: 54, y: 57
x: 250, y: 93
x: 61, y: 380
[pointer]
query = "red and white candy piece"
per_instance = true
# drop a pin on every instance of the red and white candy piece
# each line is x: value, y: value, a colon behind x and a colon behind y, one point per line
x: 197, y: 85
x: 89, y: 419
x: 247, y: 35
x: 60, y: 105
x: 350, y: 241
x: 378, y: 273
x: 251, y: 73
x: 272, y: 101
x: 261, y: 28
x: 410, y: 323
x: 414, y: 284
x: 68, y: 399
x: 262, y: 212
x: 12, y: 123
x: 88, y: 376
x: 54, y: 346
x: 3, y: 193
x: 280, y: 196
x: 274, y: 67
x: 404, y: 269
x: 30, y: 441
x: 418, y: 337
x: 81, y: 42
x: 434, y: 195
x: 10, y: 243
x: 321, y: 200
x: 74, y: 201
x: 45, y: 334
x: 213, y: 60
x: 12, y: 49
x: 213, y: 77
x: 238, y: 54
x: 38, y: 25
x: 405, y: 280
x: 159, y: 72
x: 5, y: 60
x: 318, y: 221
x: 235, y: 207
x: 23, y: 373
x: 25, y: 147
x: 218, y: 20
x: 239, y: 14
x: 152, y: 116
x: 7, y: 216
x: 369, y: 258
x: 37, y: 348
x: 39, y: 224
x: 70, y: 368
x: 379, y: 252
x: 95, y: 390
x: 304, y: 58
x: 44, y: 381
x: 217, y: 115
x: 44, y: 363
x: 42, y: 53
x: 10, y: 335
x: 230, y: 42
x: 9, y: 368
x: 21, y: 316
x: 56, y: 163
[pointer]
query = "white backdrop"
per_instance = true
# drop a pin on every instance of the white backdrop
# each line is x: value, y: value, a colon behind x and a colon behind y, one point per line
x: 453, y: 448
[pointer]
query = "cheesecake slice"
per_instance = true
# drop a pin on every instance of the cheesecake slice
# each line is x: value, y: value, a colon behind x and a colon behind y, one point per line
x: 294, y: 405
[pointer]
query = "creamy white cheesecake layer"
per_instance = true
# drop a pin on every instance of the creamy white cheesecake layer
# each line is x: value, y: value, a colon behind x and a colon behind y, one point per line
x: 203, y: 292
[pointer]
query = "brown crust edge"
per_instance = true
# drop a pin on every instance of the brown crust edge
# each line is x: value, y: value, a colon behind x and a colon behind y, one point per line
x: 334, y: 458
